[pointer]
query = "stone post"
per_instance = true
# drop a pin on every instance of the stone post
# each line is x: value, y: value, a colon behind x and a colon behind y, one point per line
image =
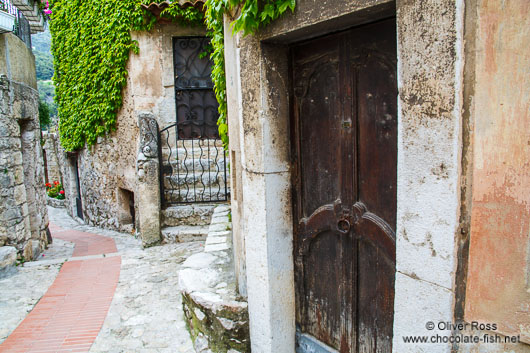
x: 147, y: 166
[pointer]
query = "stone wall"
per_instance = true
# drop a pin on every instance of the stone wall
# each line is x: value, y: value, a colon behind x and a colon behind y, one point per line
x: 216, y: 316
x: 23, y: 214
x: 50, y: 146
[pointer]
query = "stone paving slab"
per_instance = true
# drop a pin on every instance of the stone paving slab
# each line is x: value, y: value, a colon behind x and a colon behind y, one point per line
x: 146, y: 313
x: 180, y: 234
x: 20, y: 292
x: 124, y: 242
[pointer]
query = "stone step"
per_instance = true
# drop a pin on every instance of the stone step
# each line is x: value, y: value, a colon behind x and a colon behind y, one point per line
x: 194, y: 215
x: 214, y: 152
x: 197, y: 179
x: 191, y: 165
x: 199, y: 194
x: 181, y: 234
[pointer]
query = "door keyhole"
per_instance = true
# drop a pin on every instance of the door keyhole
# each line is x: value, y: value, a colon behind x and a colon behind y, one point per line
x: 343, y: 226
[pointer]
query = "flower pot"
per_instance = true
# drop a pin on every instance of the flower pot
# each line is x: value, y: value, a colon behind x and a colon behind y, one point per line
x: 7, y: 22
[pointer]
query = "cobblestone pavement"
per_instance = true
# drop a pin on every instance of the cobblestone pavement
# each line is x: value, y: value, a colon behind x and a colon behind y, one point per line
x: 145, y: 314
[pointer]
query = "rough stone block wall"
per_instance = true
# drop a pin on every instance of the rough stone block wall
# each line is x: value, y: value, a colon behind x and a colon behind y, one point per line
x: 53, y: 169
x: 15, y: 229
x: 23, y: 214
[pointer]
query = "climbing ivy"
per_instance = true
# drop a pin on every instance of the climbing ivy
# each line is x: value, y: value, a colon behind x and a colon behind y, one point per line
x: 91, y: 42
x: 91, y: 46
x: 253, y: 15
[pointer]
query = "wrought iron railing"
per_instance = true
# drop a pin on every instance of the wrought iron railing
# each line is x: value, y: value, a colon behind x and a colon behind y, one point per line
x: 21, y: 27
x: 192, y: 170
x: 193, y: 160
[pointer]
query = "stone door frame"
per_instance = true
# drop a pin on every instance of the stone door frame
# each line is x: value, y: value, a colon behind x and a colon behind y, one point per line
x: 430, y: 72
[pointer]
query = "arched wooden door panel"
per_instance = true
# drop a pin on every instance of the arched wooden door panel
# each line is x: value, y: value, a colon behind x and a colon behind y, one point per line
x: 344, y: 131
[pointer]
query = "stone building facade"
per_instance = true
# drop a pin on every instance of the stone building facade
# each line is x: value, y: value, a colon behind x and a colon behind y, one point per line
x: 461, y: 233
x: 23, y: 214
x: 116, y: 183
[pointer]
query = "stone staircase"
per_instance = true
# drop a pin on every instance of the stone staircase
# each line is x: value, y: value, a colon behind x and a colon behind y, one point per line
x: 193, y: 174
x: 184, y: 223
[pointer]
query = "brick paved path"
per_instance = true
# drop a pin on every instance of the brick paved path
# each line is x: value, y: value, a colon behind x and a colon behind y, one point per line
x: 85, y: 243
x: 71, y: 313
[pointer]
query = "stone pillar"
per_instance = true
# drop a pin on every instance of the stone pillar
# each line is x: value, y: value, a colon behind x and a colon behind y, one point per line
x: 429, y: 38
x: 266, y: 211
x: 236, y: 182
x: 148, y: 174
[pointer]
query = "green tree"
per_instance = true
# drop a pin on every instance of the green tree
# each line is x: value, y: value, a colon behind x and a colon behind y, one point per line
x: 44, y: 65
x: 44, y: 114
x: 47, y: 94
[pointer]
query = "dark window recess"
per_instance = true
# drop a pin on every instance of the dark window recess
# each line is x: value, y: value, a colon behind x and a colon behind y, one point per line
x: 126, y: 207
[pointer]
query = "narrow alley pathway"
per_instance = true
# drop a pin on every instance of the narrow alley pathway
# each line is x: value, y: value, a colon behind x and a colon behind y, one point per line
x: 110, y: 295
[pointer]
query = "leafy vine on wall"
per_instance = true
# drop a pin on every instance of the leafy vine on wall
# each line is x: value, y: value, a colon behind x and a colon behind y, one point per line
x: 91, y: 46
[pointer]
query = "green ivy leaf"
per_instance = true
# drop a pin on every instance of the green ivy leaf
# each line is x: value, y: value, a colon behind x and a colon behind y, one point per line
x: 91, y: 47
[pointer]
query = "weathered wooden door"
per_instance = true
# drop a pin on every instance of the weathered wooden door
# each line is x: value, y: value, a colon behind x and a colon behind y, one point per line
x: 344, y: 129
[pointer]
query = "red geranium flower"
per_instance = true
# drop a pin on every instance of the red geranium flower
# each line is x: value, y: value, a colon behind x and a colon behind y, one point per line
x: 61, y: 192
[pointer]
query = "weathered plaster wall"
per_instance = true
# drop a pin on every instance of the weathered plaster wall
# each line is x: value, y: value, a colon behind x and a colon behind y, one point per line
x: 23, y: 214
x: 17, y: 61
x: 313, y: 17
x: 151, y: 71
x: 111, y: 163
x: 498, y: 282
